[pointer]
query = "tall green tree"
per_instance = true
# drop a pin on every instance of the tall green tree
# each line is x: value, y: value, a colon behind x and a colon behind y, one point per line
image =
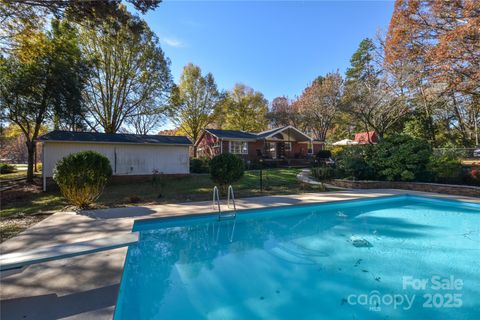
x: 43, y: 77
x: 131, y: 76
x: 362, y: 65
x: 244, y: 109
x: 369, y: 97
x: 193, y: 102
x: 21, y: 16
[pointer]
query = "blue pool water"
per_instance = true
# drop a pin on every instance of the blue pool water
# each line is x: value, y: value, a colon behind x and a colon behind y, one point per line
x: 400, y: 257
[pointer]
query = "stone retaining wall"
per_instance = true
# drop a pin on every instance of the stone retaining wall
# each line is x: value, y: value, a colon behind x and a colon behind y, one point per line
x: 460, y: 190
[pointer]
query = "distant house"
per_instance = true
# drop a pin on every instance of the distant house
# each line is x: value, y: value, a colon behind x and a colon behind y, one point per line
x: 129, y: 154
x: 279, y: 143
x: 366, y: 137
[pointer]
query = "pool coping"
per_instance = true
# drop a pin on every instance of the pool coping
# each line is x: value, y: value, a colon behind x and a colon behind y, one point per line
x: 241, y: 212
x: 33, y: 292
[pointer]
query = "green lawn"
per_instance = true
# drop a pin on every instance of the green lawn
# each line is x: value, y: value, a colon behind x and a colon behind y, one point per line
x: 199, y: 187
x: 34, y: 204
x: 22, y: 208
x: 165, y: 190
x: 21, y: 173
x: 13, y: 175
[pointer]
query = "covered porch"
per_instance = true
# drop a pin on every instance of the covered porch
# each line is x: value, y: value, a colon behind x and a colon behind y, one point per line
x: 286, y: 143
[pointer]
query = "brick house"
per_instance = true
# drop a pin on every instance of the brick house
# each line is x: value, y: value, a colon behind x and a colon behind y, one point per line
x: 366, y: 137
x: 276, y: 144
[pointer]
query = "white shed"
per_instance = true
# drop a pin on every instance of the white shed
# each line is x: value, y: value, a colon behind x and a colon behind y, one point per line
x: 129, y: 154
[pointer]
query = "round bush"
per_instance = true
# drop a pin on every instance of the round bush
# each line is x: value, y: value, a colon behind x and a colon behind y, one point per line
x: 226, y: 169
x: 82, y: 177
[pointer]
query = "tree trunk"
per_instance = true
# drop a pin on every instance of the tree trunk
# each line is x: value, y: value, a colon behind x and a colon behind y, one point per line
x: 194, y: 151
x: 31, y: 155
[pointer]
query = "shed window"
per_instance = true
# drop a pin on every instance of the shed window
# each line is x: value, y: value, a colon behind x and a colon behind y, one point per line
x: 238, y: 147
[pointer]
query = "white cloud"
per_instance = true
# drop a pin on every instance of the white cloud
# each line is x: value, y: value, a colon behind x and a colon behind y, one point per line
x: 172, y: 42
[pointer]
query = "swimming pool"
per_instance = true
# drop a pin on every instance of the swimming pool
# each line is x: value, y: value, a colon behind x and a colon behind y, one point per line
x: 402, y: 257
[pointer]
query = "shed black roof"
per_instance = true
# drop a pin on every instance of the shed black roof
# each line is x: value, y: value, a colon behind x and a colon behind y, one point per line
x: 74, y: 136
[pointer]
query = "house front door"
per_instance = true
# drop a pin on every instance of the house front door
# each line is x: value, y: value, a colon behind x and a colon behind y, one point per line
x: 281, y: 150
x: 271, y: 150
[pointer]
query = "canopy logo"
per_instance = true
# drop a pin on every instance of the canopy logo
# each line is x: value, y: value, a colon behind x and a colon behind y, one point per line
x: 375, y: 300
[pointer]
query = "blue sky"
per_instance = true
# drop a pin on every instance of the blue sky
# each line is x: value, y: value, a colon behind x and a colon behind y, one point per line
x: 276, y: 47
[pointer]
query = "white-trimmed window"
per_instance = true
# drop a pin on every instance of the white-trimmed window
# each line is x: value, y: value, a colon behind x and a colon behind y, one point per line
x: 238, y: 147
x: 270, y: 147
x: 288, y: 146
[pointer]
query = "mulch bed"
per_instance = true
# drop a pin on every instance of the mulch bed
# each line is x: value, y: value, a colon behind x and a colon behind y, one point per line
x: 21, y: 191
x: 12, y: 225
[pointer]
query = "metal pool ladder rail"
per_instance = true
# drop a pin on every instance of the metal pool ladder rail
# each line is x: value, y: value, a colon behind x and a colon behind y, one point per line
x: 216, y: 204
x: 216, y: 200
x: 231, y: 196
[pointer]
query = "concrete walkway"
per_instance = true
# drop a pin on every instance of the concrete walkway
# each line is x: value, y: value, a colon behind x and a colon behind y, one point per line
x: 86, y: 287
x: 306, y: 177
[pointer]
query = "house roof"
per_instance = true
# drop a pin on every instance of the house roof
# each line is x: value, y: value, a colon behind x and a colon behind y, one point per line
x: 238, y: 134
x: 300, y: 136
x: 269, y: 133
x: 96, y: 137
x: 232, y: 134
x: 366, y: 137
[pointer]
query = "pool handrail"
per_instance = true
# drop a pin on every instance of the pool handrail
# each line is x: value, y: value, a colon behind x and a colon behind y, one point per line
x: 216, y: 199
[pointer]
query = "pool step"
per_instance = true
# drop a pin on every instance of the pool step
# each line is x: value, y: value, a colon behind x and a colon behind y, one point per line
x: 17, y: 260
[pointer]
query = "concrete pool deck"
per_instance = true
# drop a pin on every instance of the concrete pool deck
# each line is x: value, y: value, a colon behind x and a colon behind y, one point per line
x: 86, y: 287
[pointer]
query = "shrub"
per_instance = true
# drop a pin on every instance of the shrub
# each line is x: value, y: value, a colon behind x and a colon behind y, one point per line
x: 7, y: 168
x: 323, y: 173
x: 336, y: 150
x: 352, y: 163
x: 446, y: 168
x: 82, y: 177
x: 324, y: 154
x: 199, y: 165
x: 401, y: 158
x: 225, y: 169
